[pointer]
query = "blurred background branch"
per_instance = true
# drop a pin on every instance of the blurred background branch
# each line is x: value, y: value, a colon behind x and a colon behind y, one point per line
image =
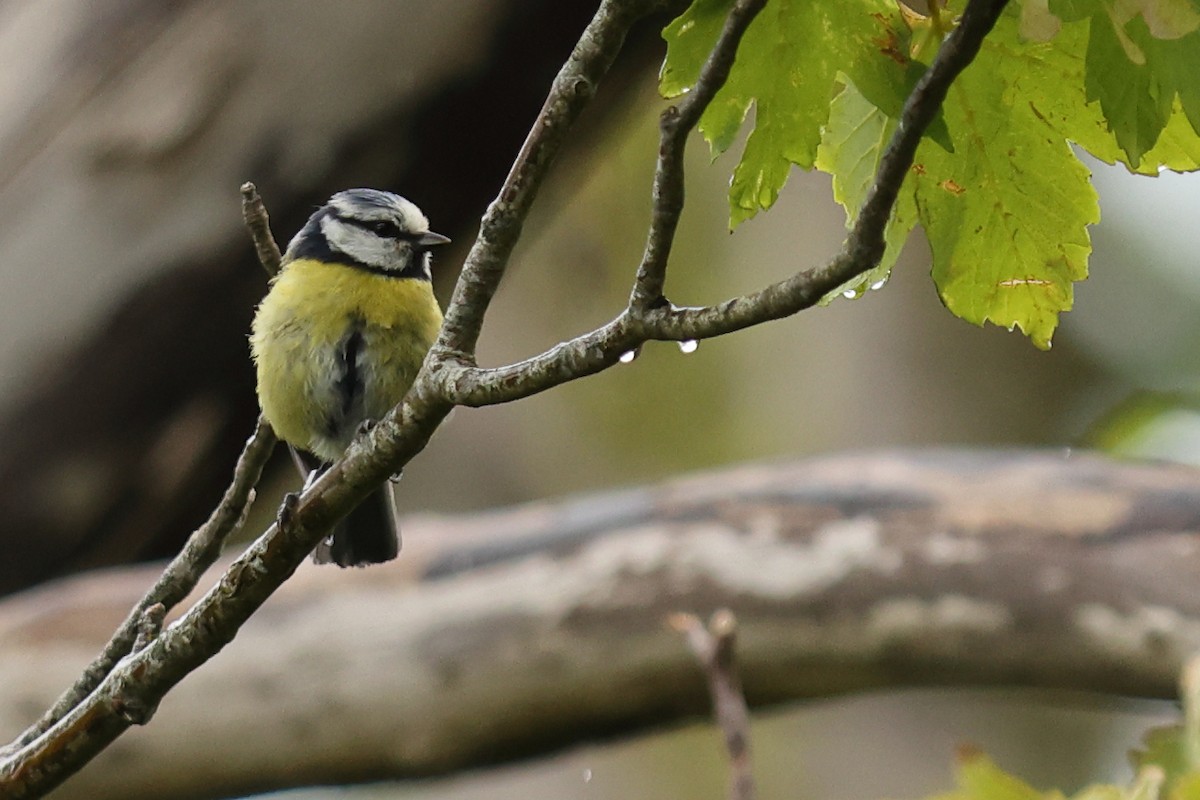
x: 715, y: 647
x: 518, y: 632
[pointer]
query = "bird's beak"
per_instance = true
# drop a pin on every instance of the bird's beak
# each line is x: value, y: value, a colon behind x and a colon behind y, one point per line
x: 430, y: 239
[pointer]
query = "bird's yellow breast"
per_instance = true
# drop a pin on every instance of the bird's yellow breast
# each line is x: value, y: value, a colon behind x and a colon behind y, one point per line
x: 299, y: 344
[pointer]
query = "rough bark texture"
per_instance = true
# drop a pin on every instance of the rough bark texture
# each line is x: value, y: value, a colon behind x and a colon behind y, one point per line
x: 519, y: 631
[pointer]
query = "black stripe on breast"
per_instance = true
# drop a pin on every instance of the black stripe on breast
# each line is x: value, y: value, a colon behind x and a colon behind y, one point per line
x: 349, y: 380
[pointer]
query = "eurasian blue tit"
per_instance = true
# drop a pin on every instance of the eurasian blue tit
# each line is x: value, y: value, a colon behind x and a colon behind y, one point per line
x: 339, y: 338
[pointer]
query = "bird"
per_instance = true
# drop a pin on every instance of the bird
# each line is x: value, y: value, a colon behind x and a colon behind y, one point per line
x: 338, y: 339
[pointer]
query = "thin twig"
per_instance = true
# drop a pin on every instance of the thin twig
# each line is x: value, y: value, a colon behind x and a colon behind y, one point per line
x: 254, y: 214
x: 865, y: 245
x: 595, y: 351
x: 675, y: 124
x: 573, y: 88
x: 175, y: 583
x: 149, y: 626
x: 466, y: 384
x: 715, y: 648
x: 203, y: 547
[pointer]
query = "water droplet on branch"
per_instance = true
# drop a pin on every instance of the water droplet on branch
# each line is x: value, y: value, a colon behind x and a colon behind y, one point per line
x: 688, y: 346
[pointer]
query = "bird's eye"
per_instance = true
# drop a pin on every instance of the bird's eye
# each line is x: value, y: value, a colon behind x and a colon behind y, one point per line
x: 385, y: 228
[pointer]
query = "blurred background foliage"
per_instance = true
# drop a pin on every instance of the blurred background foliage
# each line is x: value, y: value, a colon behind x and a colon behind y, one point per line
x: 120, y: 247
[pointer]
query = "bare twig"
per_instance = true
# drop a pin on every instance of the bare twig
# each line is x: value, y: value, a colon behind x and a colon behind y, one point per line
x: 573, y: 88
x: 646, y: 320
x: 675, y: 125
x: 174, y: 584
x: 149, y: 626
x: 715, y: 648
x: 254, y: 214
x: 202, y: 548
x: 865, y: 245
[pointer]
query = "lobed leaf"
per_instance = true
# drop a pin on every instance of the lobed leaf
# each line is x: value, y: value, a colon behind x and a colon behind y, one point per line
x: 787, y: 70
x: 854, y: 141
x: 1004, y: 201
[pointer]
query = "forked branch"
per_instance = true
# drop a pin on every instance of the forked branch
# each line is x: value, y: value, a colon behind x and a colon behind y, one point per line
x: 648, y: 316
x: 125, y: 683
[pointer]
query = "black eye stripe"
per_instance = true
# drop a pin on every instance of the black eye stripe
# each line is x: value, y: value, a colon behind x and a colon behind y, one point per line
x: 384, y: 228
x: 380, y: 227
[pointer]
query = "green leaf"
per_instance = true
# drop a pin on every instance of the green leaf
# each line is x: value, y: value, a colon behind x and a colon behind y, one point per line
x: 1173, y: 752
x: 855, y: 137
x: 1178, y: 147
x: 1004, y: 202
x: 1007, y: 226
x: 1005, y: 214
x: 978, y: 778
x: 690, y: 38
x: 788, y: 63
x: 1186, y: 787
x: 1164, y: 19
x: 1072, y: 10
x: 887, y: 82
x: 1142, y: 57
x: 1176, y: 65
x: 786, y: 68
x: 1134, y: 100
x: 1049, y: 76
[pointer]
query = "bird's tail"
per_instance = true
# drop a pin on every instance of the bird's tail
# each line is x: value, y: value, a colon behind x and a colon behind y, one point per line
x: 368, y: 535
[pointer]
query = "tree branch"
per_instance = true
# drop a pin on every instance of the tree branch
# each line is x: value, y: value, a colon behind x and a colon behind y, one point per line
x: 715, y: 648
x: 648, y: 319
x: 865, y: 245
x: 254, y: 215
x: 676, y: 123
x: 183, y: 573
x: 492, y: 639
x: 176, y: 582
x: 500, y: 229
x: 127, y: 690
